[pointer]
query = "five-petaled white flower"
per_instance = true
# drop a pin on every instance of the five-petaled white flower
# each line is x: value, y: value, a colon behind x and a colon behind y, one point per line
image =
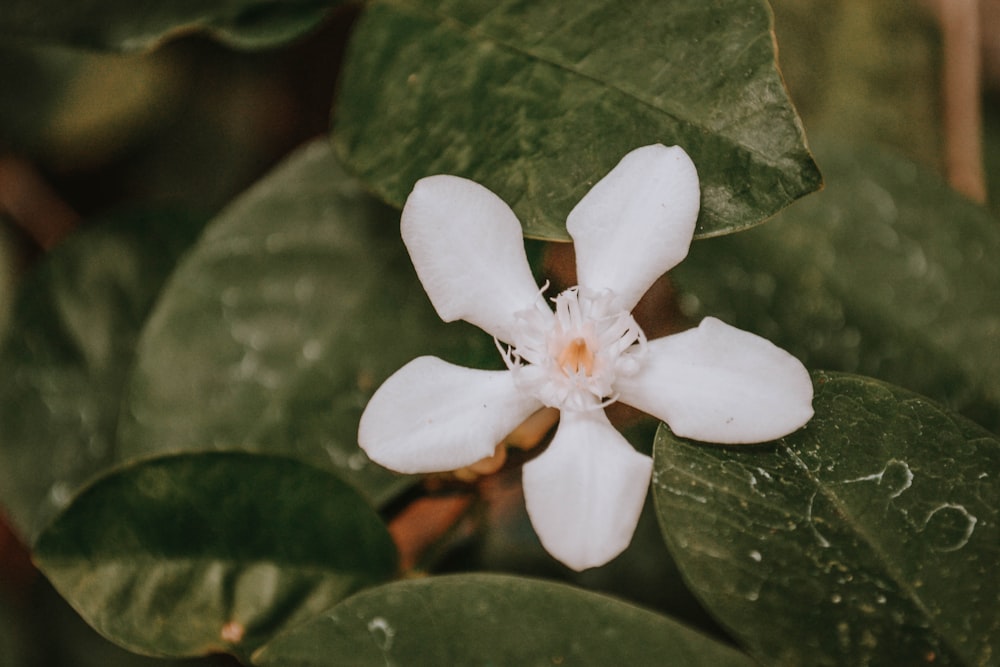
x: 583, y: 493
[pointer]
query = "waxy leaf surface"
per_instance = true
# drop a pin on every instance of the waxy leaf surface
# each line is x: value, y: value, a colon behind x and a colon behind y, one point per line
x: 293, y: 307
x: 67, y: 353
x: 213, y: 552
x: 482, y: 619
x: 537, y: 101
x: 868, y: 537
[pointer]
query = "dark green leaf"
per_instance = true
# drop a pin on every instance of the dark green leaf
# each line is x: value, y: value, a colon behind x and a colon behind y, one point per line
x: 886, y: 273
x: 67, y: 354
x: 537, y: 101
x: 868, y: 537
x: 273, y: 333
x: 201, y: 553
x: 128, y: 26
x: 54, y: 634
x: 482, y: 619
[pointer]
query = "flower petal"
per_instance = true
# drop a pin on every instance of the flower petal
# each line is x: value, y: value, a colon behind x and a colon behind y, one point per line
x: 467, y: 247
x: 585, y: 492
x: 636, y: 223
x: 432, y: 416
x: 717, y: 383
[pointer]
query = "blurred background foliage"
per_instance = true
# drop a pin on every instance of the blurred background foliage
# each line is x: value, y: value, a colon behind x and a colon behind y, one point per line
x: 194, y: 121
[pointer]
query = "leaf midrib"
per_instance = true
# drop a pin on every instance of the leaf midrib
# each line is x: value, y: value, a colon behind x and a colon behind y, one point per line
x: 895, y: 574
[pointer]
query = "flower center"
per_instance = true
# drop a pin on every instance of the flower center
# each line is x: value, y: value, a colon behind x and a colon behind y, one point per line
x: 576, y: 357
x: 570, y: 359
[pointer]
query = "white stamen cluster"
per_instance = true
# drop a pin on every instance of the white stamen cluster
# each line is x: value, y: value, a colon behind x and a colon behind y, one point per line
x: 570, y: 359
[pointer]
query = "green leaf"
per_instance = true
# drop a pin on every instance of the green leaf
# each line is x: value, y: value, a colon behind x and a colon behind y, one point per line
x: 211, y: 552
x: 54, y: 634
x: 67, y: 353
x: 123, y: 26
x: 537, y: 101
x: 868, y: 537
x: 296, y: 303
x: 887, y: 273
x: 482, y: 619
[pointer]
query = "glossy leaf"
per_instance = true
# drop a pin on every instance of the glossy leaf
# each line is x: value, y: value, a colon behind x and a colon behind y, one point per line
x: 123, y: 26
x: 537, y: 101
x: 887, y: 273
x: 868, y: 537
x: 286, y: 316
x: 202, y: 553
x: 67, y: 353
x: 482, y: 619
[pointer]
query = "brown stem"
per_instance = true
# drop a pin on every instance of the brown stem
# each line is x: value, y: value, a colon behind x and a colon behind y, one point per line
x: 961, y: 92
x: 16, y: 571
x: 425, y: 521
x: 32, y: 204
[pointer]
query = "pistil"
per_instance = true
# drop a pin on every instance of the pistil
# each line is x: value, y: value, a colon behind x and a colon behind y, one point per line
x: 576, y: 357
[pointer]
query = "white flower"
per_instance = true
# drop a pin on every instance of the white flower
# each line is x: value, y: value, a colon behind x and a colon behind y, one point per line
x: 584, y: 493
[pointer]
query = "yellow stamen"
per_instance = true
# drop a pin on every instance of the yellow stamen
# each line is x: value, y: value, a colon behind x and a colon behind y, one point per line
x: 576, y: 357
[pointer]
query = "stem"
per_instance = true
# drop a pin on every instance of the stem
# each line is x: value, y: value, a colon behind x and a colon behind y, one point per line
x: 961, y: 92
x: 33, y: 205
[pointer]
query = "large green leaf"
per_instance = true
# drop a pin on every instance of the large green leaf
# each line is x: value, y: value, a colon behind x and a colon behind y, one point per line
x: 210, y: 552
x: 868, y: 537
x: 68, y: 351
x: 481, y: 619
x: 295, y: 304
x: 537, y: 101
x: 886, y: 273
x: 130, y: 26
